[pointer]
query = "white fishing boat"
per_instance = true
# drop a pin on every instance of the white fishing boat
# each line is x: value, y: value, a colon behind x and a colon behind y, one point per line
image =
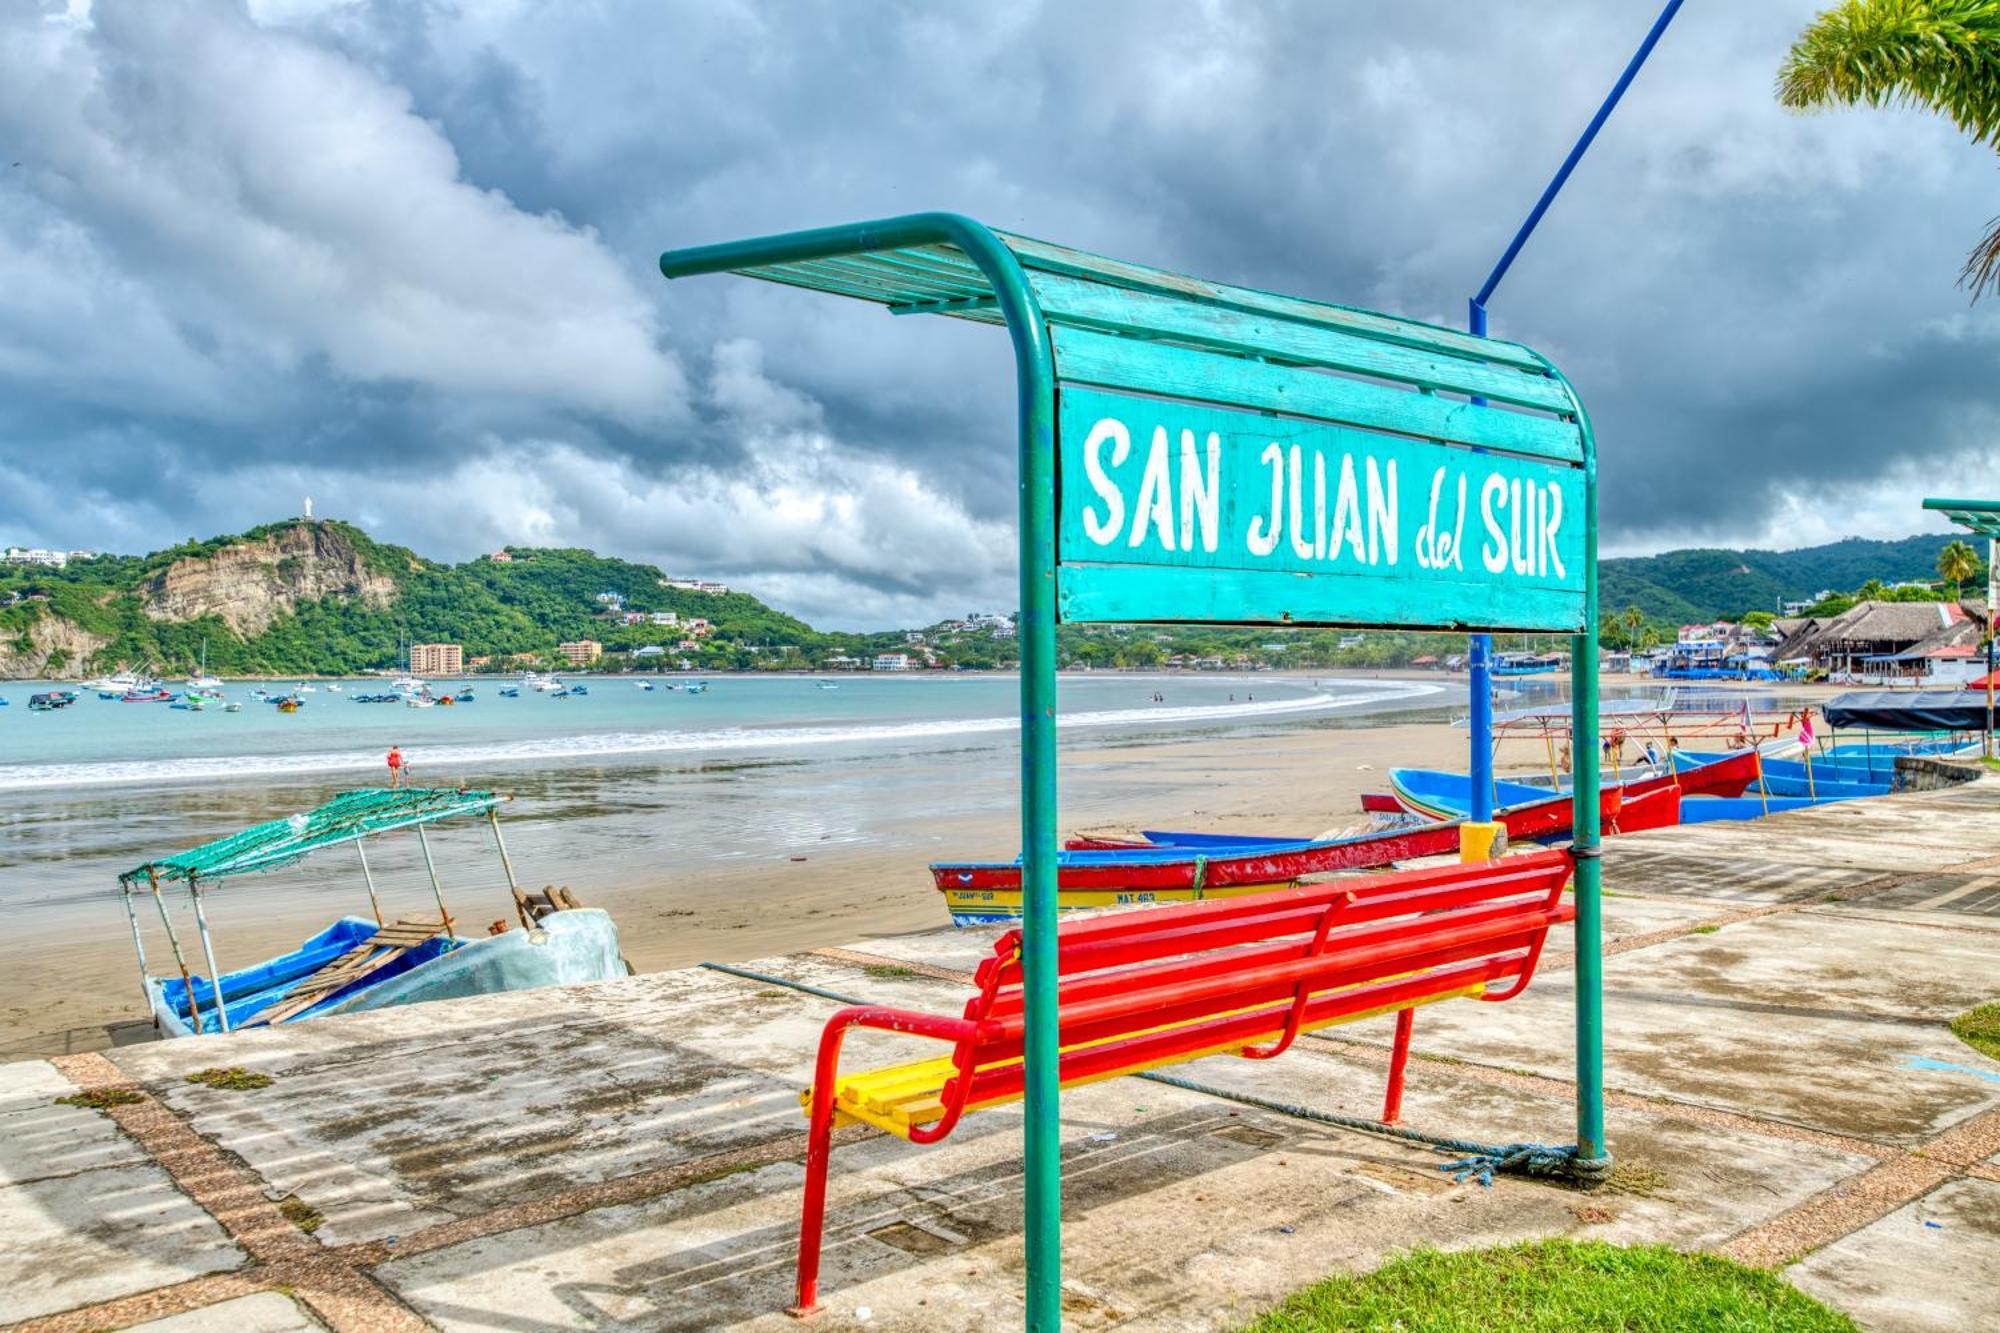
x: 407, y: 684
x: 118, y: 683
x: 201, y: 680
x: 333, y: 686
x: 367, y: 962
x: 303, y: 688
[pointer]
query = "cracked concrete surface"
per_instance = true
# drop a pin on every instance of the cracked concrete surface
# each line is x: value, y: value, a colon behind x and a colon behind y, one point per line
x: 626, y: 1155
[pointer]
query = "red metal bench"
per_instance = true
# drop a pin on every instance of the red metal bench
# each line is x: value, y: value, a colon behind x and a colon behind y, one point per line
x: 1149, y: 988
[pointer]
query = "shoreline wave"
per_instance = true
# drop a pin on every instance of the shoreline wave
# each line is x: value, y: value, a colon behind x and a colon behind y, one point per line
x: 624, y: 744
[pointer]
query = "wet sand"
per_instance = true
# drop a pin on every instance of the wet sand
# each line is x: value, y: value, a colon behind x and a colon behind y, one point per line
x: 709, y: 861
x: 70, y: 982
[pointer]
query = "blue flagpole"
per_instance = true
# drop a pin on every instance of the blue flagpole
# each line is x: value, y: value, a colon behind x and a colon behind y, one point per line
x: 1479, y: 665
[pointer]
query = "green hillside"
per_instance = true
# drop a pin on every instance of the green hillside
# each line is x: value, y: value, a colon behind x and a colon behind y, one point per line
x: 1704, y: 584
x: 324, y: 597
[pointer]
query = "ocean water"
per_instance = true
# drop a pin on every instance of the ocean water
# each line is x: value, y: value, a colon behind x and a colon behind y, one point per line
x: 618, y: 787
x: 102, y: 743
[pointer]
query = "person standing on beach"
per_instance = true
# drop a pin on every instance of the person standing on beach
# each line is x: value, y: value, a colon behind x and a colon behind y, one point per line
x: 395, y: 766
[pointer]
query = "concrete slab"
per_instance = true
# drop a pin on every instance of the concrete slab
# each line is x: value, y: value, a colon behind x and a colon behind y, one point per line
x: 265, y: 1312
x: 1181, y: 1211
x: 74, y: 1240
x: 404, y: 1118
x: 1821, y: 963
x: 1948, y: 1241
x: 41, y: 1139
x: 1884, y: 1081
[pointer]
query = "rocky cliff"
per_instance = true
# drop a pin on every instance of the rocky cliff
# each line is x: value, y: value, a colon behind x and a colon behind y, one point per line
x: 48, y: 648
x: 250, y: 584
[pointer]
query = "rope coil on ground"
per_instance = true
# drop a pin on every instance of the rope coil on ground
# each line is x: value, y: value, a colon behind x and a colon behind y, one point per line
x: 1475, y: 1161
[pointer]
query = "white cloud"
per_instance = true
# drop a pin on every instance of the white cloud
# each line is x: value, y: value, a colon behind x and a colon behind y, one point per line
x: 284, y: 205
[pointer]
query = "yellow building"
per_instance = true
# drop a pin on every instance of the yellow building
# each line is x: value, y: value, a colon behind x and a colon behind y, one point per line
x: 436, y: 659
x: 583, y: 652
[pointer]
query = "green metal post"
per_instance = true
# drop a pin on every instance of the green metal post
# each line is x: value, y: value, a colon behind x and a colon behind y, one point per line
x: 1593, y: 1155
x: 1034, y: 372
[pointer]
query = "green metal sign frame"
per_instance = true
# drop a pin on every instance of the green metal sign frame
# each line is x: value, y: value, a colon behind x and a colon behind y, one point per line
x: 1255, y: 368
x: 1983, y: 518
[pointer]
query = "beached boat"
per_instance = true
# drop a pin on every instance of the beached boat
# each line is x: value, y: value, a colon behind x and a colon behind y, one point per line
x: 1108, y: 874
x: 1435, y: 794
x: 1711, y: 809
x: 1795, y: 777
x: 359, y: 963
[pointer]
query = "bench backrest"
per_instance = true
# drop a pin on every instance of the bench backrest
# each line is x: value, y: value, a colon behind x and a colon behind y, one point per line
x: 1148, y: 987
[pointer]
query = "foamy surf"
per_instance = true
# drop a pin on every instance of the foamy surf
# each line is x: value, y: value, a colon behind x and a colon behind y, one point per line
x: 436, y: 759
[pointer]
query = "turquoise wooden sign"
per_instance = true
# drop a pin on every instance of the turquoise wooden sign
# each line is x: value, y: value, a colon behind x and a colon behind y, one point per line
x: 1173, y: 510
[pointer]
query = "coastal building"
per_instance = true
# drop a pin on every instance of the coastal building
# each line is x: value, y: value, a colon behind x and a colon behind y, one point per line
x: 502, y: 557
x: 1886, y: 640
x: 36, y: 555
x: 436, y: 659
x: 694, y: 585
x: 891, y: 662
x: 840, y: 662
x: 581, y: 652
x: 613, y: 600
x: 665, y: 618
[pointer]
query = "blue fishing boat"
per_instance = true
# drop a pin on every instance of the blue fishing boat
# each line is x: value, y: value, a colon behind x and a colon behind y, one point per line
x: 359, y: 963
x: 1789, y: 777
x: 1711, y: 809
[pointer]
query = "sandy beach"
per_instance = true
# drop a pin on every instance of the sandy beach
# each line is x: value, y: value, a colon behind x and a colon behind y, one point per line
x: 712, y: 861
x: 73, y: 984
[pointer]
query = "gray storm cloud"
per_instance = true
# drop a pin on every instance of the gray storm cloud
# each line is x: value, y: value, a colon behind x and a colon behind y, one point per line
x: 401, y: 255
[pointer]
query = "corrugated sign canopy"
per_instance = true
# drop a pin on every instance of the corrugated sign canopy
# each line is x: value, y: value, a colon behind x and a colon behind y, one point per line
x: 1980, y: 516
x: 1231, y: 456
x: 347, y: 817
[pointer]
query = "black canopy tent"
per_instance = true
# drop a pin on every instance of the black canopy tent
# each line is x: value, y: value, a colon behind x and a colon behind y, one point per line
x: 1908, y: 710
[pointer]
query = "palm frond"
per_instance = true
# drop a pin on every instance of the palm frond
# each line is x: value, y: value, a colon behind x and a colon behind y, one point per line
x: 1981, y: 273
x: 1940, y: 55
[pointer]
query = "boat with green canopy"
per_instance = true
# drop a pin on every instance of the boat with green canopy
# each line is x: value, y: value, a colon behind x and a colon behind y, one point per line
x: 359, y: 963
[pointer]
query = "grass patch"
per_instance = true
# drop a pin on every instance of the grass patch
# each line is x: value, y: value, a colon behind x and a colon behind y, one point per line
x: 1551, y: 1285
x: 888, y: 971
x: 234, y: 1079
x: 300, y: 1213
x: 103, y: 1099
x: 1704, y: 930
x: 771, y: 995
x: 1980, y: 1029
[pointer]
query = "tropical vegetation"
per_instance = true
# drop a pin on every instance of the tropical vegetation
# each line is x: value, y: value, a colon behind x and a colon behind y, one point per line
x: 516, y: 607
x: 1934, y: 55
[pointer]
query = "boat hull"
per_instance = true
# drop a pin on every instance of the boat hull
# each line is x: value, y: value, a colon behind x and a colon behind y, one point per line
x: 1151, y: 870
x: 577, y: 946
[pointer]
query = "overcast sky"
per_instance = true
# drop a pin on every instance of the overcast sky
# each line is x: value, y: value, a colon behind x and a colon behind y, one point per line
x: 401, y: 257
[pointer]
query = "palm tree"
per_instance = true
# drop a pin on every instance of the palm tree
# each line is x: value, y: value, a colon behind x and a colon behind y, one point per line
x: 1939, y: 55
x: 1872, y: 591
x: 1633, y: 618
x: 1956, y: 563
